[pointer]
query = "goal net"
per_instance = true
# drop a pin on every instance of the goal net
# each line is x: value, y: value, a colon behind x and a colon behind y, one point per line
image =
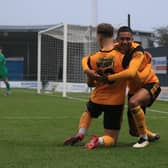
x: 60, y: 51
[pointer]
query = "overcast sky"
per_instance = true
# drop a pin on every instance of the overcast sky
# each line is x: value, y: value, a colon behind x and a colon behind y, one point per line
x: 145, y: 14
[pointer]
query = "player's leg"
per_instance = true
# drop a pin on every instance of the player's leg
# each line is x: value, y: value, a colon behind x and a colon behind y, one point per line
x: 131, y: 123
x: 107, y: 140
x: 8, y: 88
x: 139, y: 117
x: 112, y: 125
x: 153, y: 90
x: 132, y: 126
x: 92, y: 111
x: 84, y: 124
x: 141, y: 98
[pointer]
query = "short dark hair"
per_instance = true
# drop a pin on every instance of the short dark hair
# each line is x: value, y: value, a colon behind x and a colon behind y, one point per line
x: 105, y: 29
x: 1, y: 47
x: 124, y: 29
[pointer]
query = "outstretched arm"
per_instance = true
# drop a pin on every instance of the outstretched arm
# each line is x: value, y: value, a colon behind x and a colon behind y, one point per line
x: 131, y: 71
x: 144, y: 74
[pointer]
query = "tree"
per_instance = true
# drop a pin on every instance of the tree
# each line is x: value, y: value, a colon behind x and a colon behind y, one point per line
x: 161, y: 36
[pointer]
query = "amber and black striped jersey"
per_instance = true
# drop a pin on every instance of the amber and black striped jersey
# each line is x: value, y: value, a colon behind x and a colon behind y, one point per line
x: 106, y: 62
x: 138, y: 70
x: 145, y: 75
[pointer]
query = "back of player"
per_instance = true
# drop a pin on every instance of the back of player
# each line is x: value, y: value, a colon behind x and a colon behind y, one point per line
x: 106, y: 97
x: 104, y: 63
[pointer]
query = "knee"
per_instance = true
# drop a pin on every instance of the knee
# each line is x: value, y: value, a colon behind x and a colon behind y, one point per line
x: 133, y: 102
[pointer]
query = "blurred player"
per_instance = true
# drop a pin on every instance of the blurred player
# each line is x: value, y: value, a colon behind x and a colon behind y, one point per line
x: 4, y: 72
x: 143, y: 83
x: 106, y: 97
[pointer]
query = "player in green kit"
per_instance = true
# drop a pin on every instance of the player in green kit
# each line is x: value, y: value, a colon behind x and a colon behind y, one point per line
x: 4, y: 72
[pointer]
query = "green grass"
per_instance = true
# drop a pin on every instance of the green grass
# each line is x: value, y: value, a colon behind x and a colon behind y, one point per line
x: 33, y: 128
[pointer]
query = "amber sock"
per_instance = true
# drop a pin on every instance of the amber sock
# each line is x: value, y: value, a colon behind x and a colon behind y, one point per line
x: 106, y: 140
x: 84, y: 123
x: 139, y: 119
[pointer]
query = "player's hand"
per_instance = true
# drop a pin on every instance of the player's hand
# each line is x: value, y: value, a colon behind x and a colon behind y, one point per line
x: 104, y: 79
x: 92, y: 74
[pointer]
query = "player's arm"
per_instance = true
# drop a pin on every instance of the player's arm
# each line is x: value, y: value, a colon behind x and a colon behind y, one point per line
x: 132, y: 70
x: 85, y: 65
x: 148, y: 56
x: 89, y: 72
x: 147, y: 67
x: 144, y: 74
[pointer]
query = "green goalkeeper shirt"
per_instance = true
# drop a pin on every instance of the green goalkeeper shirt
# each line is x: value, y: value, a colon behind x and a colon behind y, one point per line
x: 3, y: 69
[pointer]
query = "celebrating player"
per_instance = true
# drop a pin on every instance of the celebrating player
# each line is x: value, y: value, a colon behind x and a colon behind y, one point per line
x: 106, y: 97
x: 143, y: 83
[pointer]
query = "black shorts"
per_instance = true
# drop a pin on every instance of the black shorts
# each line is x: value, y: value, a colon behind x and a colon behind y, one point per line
x: 154, y: 91
x: 112, y: 114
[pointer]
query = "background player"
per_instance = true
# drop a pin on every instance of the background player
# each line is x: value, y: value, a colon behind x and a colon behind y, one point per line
x: 4, y: 72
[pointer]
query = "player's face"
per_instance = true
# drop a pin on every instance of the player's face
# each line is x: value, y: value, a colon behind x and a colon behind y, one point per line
x: 125, y: 39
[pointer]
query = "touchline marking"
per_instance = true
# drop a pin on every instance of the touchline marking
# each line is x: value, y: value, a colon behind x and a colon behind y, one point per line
x: 73, y: 98
x: 157, y: 111
x: 157, y: 117
x: 149, y: 109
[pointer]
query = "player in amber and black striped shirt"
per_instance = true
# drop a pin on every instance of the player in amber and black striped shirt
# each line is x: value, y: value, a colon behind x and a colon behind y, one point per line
x: 107, y: 97
x: 142, y: 82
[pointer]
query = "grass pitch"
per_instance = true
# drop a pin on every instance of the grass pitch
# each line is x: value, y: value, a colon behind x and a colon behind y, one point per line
x: 33, y: 128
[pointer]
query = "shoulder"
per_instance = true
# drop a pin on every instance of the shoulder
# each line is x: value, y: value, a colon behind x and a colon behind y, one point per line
x: 88, y: 57
x: 135, y: 44
x: 137, y: 50
x: 137, y: 47
x: 94, y: 54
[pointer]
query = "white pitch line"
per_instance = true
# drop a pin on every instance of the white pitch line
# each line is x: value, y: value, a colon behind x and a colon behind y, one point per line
x: 158, y: 111
x: 85, y: 100
x: 157, y: 117
x: 80, y: 99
